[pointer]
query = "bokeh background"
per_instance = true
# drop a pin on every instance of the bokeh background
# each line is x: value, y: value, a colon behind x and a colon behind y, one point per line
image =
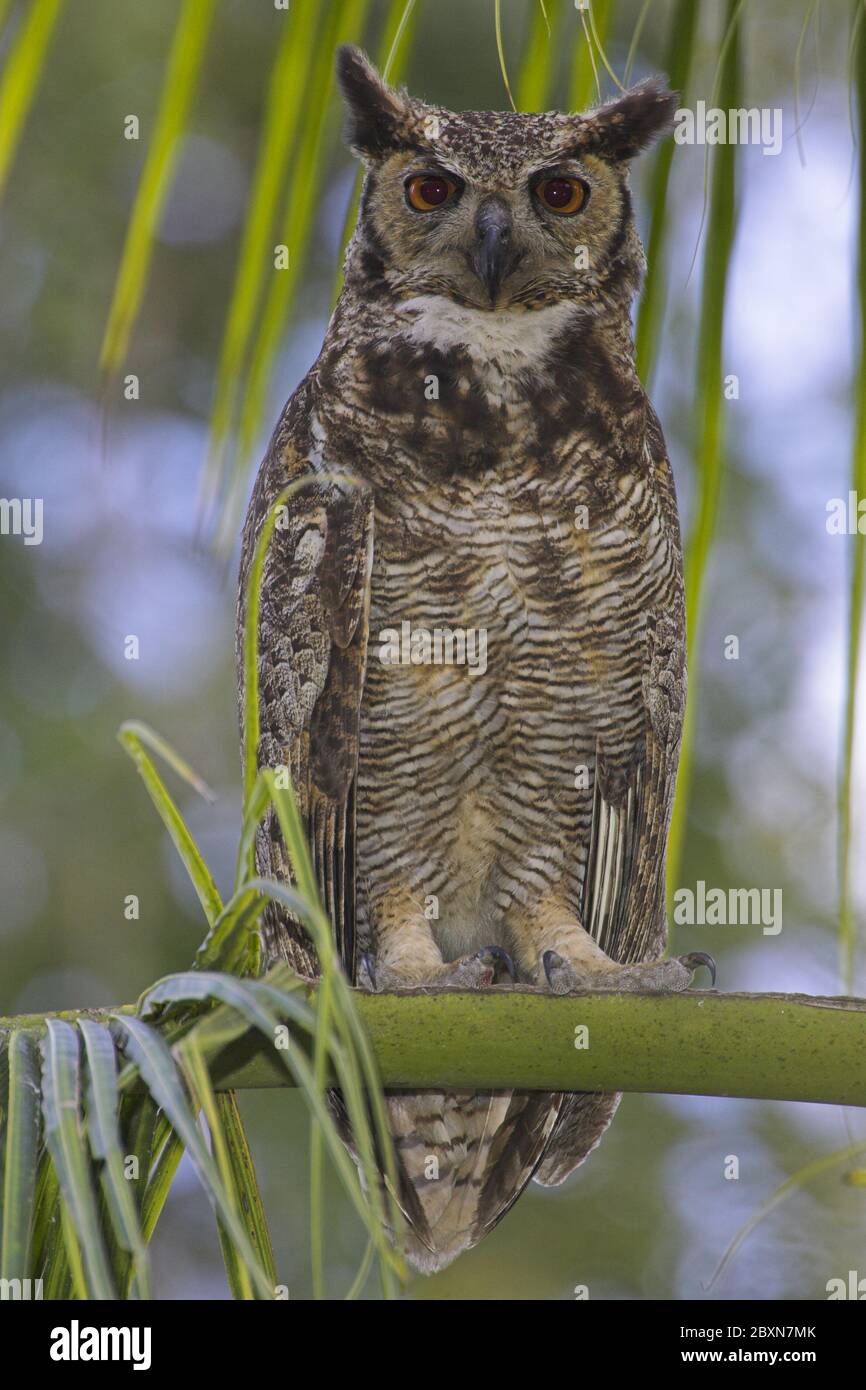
x: 651, y: 1212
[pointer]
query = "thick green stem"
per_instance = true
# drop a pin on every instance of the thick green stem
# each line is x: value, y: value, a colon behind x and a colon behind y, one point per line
x: 759, y: 1046
x: 764, y: 1046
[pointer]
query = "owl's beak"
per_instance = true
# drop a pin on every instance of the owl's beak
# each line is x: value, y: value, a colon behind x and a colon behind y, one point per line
x: 491, y: 254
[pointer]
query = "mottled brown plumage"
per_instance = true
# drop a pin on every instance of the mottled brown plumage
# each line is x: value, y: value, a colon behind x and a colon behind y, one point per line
x: 508, y: 478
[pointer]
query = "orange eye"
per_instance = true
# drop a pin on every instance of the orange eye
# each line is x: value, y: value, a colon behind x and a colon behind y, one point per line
x: 561, y: 195
x: 428, y: 191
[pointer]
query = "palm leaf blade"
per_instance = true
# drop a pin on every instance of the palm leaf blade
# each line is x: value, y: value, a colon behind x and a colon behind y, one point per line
x: 343, y: 23
x: 130, y: 738
x: 21, y: 77
x: 20, y: 1157
x: 284, y: 107
x: 709, y: 416
x: 178, y: 90
x: 679, y: 59
x: 102, y: 1106
x: 160, y: 1074
x: 64, y: 1139
x: 245, y: 1180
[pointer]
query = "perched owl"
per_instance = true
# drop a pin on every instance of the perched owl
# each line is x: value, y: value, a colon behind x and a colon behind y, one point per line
x: 472, y: 643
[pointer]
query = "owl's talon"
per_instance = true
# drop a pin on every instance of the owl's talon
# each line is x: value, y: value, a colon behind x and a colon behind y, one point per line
x: 550, y: 960
x: 367, y: 972
x: 561, y: 976
x: 695, y: 959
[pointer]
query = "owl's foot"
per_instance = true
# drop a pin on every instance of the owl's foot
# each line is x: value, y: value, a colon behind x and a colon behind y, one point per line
x: 485, y: 967
x: 647, y: 977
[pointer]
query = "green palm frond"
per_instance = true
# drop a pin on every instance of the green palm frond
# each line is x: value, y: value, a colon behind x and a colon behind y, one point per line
x: 159, y: 1070
x: 393, y: 54
x: 500, y: 49
x: 81, y: 1225
x: 535, y: 83
x: 265, y: 1005
x: 243, y: 1177
x: 596, y: 21
x: 62, y: 1100
x: 343, y: 22
x: 22, y: 1127
x: 396, y: 37
x: 132, y: 737
x: 297, y: 126
x: 181, y: 80
x: 161, y: 1177
x: 359, y: 1076
x: 227, y: 944
x: 45, y: 1211
x: 708, y: 414
x: 284, y: 107
x: 324, y: 1010
x: 103, y: 1127
x: 21, y: 75
x: 637, y: 31
x: 681, y: 46
x: 239, y: 1183
x: 599, y: 34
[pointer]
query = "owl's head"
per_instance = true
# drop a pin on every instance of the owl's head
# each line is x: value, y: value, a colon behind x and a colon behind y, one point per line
x: 497, y: 210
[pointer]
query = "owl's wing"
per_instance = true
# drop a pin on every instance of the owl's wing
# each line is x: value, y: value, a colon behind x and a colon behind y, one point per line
x: 315, y: 597
x: 623, y: 890
x: 624, y: 885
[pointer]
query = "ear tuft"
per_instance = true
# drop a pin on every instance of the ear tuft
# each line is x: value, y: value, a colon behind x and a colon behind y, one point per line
x: 375, y: 113
x: 624, y: 127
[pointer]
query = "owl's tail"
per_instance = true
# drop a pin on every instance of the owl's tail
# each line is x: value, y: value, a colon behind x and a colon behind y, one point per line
x: 463, y: 1159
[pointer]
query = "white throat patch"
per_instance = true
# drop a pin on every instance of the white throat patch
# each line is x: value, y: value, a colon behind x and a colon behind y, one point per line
x: 509, y: 337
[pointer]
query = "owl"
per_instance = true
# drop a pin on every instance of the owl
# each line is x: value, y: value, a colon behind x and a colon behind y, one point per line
x: 472, y: 625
